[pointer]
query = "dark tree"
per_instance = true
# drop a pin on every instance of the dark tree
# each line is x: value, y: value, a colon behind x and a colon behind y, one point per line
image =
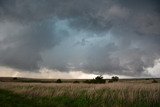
x: 75, y: 81
x: 15, y: 78
x: 115, y: 78
x: 59, y: 81
x: 98, y: 79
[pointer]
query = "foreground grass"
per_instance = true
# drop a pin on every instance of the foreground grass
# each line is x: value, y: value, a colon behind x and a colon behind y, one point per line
x: 79, y: 95
x: 9, y: 99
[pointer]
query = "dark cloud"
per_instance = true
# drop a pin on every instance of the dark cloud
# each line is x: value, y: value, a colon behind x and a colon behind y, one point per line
x: 119, y: 37
x: 22, y: 49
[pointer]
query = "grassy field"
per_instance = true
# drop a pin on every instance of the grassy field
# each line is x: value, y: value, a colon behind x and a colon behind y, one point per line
x: 119, y: 94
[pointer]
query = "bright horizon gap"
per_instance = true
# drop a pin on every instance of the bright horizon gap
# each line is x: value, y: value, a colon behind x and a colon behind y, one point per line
x: 50, y: 74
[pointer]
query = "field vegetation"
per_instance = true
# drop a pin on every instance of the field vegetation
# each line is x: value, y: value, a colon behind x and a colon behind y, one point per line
x: 117, y: 94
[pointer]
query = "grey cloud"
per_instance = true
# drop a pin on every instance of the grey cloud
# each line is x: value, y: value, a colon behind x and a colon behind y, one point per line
x: 83, y: 43
x: 22, y: 49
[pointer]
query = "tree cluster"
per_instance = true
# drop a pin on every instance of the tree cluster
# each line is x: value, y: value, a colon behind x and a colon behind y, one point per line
x: 98, y: 79
x: 113, y: 79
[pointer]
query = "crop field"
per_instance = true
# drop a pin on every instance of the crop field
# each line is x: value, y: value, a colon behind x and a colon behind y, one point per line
x: 117, y: 94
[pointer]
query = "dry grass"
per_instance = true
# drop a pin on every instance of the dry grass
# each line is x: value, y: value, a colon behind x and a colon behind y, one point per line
x: 114, y: 93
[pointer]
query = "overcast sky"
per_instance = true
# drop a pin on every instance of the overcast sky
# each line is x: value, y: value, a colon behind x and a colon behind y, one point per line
x: 79, y: 38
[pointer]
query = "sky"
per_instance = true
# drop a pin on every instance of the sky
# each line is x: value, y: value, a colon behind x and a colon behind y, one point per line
x: 79, y: 38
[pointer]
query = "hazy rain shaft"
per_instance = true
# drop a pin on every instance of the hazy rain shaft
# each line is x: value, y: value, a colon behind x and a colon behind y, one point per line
x: 93, y: 36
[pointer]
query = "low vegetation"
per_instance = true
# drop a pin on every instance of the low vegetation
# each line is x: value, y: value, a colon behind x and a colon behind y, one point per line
x: 154, y: 81
x: 117, y: 94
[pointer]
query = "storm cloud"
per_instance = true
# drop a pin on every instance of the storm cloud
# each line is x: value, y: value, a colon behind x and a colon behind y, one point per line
x: 93, y: 36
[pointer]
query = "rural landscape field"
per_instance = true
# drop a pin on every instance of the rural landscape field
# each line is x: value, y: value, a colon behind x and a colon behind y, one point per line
x: 79, y: 53
x: 125, y: 93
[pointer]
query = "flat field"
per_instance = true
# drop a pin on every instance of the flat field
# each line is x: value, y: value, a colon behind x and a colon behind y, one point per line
x: 127, y: 93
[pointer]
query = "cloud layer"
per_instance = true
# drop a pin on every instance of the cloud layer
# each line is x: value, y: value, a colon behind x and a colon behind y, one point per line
x: 101, y: 37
